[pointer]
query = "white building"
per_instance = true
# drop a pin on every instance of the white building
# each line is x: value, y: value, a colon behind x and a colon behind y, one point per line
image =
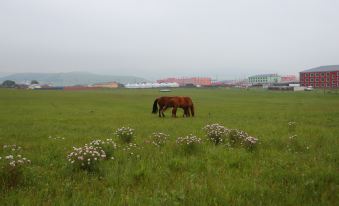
x: 151, y: 85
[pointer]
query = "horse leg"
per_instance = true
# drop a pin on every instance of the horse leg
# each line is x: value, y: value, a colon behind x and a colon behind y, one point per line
x: 192, y: 110
x: 174, y: 112
x: 163, y: 110
x: 187, y: 112
x: 160, y: 111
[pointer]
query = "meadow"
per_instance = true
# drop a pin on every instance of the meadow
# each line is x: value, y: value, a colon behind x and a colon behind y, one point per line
x: 302, y: 170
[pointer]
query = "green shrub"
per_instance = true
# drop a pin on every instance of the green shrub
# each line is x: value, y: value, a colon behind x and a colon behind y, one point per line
x: 132, y: 150
x: 237, y: 137
x: 86, y: 157
x: 159, y: 139
x: 125, y: 134
x: 12, y: 169
x: 292, y: 126
x: 189, y: 143
x: 250, y: 142
x: 216, y: 133
x: 108, y: 146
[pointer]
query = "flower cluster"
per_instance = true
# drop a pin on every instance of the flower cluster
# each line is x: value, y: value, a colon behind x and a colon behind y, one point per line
x: 189, y: 143
x: 188, y: 140
x: 237, y: 136
x: 216, y: 133
x: 86, y: 157
x: 219, y: 134
x: 101, y: 143
x: 292, y: 137
x: 12, y: 148
x: 291, y: 123
x: 12, y: 166
x: 15, y: 161
x: 159, y: 138
x: 107, y: 145
x: 292, y: 126
x: 132, y: 150
x: 56, y: 138
x: 125, y: 134
x: 250, y: 142
x: 294, y: 145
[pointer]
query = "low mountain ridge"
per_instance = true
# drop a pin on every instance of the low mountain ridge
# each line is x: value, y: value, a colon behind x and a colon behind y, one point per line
x: 70, y: 78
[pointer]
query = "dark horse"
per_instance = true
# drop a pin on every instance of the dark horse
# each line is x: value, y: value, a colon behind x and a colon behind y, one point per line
x: 176, y: 102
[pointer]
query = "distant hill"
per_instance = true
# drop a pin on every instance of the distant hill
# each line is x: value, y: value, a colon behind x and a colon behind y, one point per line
x: 3, y: 74
x: 70, y: 78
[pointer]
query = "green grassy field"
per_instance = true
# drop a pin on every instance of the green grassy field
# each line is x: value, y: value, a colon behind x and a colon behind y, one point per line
x: 277, y: 172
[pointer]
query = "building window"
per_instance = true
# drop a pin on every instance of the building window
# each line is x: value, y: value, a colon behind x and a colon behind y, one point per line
x: 327, y: 85
x: 322, y: 74
x: 311, y: 80
x: 317, y: 74
x: 322, y: 79
x: 317, y: 80
x: 328, y: 79
x: 327, y: 74
x: 312, y: 84
x: 322, y: 85
x: 311, y: 75
x: 333, y: 82
x: 306, y: 74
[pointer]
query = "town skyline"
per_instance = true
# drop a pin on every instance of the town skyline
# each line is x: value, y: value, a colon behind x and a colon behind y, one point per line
x: 215, y: 77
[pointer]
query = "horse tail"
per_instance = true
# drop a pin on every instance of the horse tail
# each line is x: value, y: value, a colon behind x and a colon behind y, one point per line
x: 155, y: 107
x: 192, y: 110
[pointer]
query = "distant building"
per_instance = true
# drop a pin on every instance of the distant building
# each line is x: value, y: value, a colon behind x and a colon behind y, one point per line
x: 151, y: 85
x: 264, y: 79
x: 79, y: 87
x: 231, y: 83
x: 289, y: 78
x: 22, y: 86
x: 290, y: 87
x: 196, y: 81
x: 321, y: 77
x: 34, y: 86
x: 106, y: 85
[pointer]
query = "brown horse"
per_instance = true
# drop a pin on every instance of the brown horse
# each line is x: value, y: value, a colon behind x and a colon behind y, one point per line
x: 173, y: 101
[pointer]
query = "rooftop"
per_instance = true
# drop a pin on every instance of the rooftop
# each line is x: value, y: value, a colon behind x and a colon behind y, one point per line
x: 328, y: 68
x: 264, y: 75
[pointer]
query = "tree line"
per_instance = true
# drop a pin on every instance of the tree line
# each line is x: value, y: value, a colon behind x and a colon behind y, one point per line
x: 12, y: 84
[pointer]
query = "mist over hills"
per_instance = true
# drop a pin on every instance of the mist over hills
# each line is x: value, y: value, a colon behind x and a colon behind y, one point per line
x: 70, y: 78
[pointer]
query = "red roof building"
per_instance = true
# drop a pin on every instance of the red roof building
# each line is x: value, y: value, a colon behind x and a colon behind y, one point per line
x: 321, y: 77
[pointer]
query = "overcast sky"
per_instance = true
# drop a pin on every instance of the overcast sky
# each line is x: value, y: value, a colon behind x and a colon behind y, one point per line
x: 160, y: 38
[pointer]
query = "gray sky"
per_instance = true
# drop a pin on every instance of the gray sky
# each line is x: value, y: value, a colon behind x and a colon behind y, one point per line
x: 158, y: 38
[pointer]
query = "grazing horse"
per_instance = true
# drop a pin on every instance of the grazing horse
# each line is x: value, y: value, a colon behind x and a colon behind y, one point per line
x: 173, y: 101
